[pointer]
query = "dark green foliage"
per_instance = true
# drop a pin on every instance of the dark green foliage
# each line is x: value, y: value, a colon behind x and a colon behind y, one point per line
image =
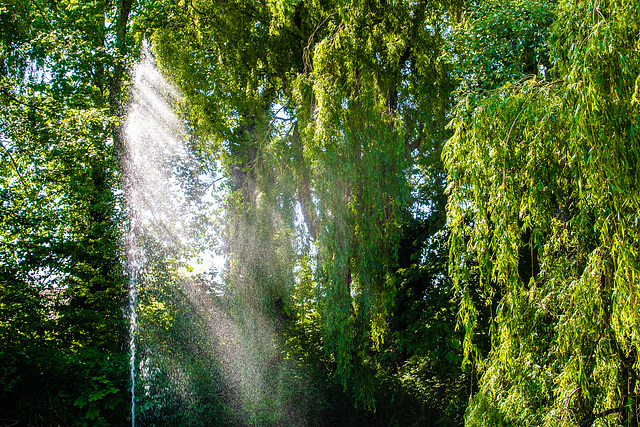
x: 498, y: 43
x: 46, y: 379
x: 63, y: 286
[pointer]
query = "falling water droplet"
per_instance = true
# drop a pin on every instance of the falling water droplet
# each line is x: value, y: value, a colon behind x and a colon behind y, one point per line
x: 236, y: 346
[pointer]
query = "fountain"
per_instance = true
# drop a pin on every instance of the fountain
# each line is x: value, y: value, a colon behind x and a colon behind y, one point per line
x: 162, y: 184
x: 195, y: 354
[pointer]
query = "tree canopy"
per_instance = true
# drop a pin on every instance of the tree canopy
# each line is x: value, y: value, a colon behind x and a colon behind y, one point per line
x: 542, y: 177
x: 428, y: 209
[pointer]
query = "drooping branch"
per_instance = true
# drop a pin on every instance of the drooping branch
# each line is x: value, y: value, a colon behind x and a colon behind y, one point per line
x: 304, y: 189
x: 590, y: 419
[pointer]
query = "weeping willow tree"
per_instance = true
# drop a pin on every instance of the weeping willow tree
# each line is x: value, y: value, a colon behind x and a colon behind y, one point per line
x: 316, y: 113
x: 544, y: 204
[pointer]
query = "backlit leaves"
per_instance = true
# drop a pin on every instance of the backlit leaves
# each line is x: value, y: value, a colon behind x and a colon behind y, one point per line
x: 543, y: 181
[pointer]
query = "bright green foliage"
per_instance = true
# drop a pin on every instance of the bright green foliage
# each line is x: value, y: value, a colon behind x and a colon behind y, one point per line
x: 543, y: 208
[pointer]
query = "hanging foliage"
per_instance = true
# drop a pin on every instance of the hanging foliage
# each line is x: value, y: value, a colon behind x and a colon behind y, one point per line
x: 543, y: 181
